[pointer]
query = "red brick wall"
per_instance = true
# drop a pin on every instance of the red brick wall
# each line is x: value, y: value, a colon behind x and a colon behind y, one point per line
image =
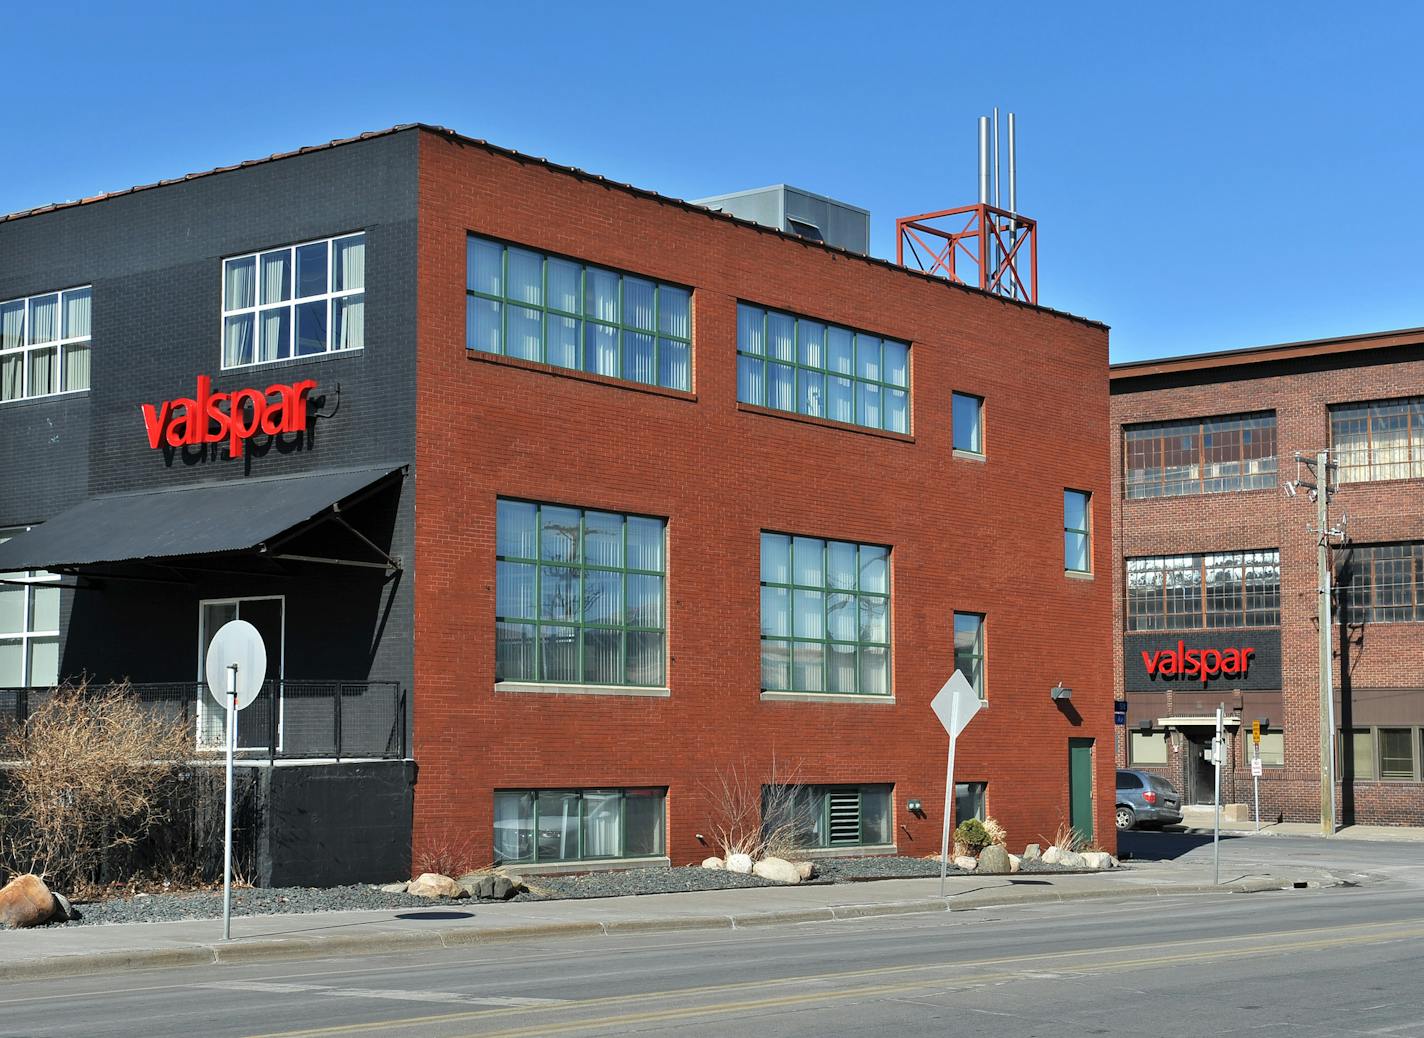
x: 1380, y: 655
x: 983, y: 537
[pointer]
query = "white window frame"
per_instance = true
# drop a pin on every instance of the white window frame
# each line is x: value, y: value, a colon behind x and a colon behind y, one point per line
x: 26, y: 347
x: 290, y: 303
x: 25, y: 636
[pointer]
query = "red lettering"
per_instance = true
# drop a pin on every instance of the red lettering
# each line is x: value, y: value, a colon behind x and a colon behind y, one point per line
x: 1150, y: 662
x: 1230, y: 661
x: 180, y: 426
x: 204, y: 419
x: 297, y: 406
x: 239, y: 429
x: 1197, y: 664
x: 154, y: 419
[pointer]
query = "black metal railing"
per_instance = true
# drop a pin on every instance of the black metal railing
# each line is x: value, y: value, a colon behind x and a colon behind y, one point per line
x: 288, y: 719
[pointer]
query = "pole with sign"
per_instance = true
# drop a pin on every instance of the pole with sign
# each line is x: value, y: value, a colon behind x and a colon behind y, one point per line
x: 236, y: 667
x: 955, y: 705
x: 1256, y: 769
x: 1216, y: 745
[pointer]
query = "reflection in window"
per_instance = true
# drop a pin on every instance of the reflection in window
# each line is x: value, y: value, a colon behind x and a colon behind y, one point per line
x: 969, y: 649
x: 828, y: 816
x: 967, y: 414
x: 29, y: 626
x: 1381, y: 583
x: 1212, y: 456
x: 1186, y: 592
x: 533, y: 826
x: 1379, y: 440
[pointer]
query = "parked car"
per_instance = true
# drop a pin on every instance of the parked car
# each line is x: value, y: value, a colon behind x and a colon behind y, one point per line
x: 1144, y: 799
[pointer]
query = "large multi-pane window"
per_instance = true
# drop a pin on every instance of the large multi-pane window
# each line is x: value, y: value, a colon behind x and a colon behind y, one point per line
x: 579, y: 596
x: 813, y: 368
x: 829, y: 816
x: 1077, y: 531
x: 969, y: 649
x: 295, y: 301
x: 527, y: 304
x: 552, y: 825
x: 1383, y: 753
x: 825, y: 616
x: 29, y: 627
x: 1381, y: 583
x: 44, y: 344
x: 1226, y: 589
x: 1201, y: 456
x: 1379, y: 440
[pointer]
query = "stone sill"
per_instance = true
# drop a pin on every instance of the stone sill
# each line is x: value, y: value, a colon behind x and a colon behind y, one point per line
x: 559, y: 868
x: 578, y: 376
x: 582, y: 690
x: 825, y: 697
x: 824, y: 423
x: 1077, y: 574
x: 970, y: 456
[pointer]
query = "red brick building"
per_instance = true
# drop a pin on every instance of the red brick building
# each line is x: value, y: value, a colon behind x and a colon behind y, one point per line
x: 1209, y: 552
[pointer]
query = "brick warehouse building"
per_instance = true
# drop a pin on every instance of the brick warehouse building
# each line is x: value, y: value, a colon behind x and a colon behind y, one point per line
x: 1209, y: 552
x: 602, y: 496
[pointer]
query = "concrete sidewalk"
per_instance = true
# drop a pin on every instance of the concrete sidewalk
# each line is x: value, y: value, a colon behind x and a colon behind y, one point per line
x: 69, y: 950
x: 1202, y: 823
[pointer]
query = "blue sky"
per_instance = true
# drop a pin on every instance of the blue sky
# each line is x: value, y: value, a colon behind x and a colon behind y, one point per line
x: 1205, y: 175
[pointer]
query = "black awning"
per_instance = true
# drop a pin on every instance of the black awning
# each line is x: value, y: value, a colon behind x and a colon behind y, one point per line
x: 205, y: 519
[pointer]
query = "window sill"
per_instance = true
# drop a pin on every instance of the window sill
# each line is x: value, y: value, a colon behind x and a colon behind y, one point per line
x: 970, y: 455
x: 1077, y: 574
x: 856, y: 851
x: 824, y: 423
x: 44, y: 397
x: 554, y: 868
x: 550, y: 688
x: 258, y: 365
x: 825, y: 697
x: 578, y: 376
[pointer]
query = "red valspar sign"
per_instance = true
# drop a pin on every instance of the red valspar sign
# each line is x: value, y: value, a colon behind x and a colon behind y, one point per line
x: 210, y: 417
x: 1196, y: 664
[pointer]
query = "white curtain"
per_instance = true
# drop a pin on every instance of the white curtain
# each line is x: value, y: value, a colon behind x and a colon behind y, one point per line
x: 76, y: 314
x: 272, y: 340
x: 602, y: 815
x: 350, y: 273
x: 44, y: 319
x: 42, y: 372
x: 275, y: 281
x: 351, y: 322
x: 12, y: 376
x: 241, y: 280
x: 237, y: 344
x: 12, y: 325
x: 76, y: 368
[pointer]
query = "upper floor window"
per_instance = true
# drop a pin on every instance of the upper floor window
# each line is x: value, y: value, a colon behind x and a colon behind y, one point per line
x: 578, y: 596
x: 1380, y: 440
x: 1187, y: 592
x: 526, y: 304
x: 1381, y: 583
x: 969, y: 649
x: 29, y: 627
x: 44, y: 344
x: 1202, y: 456
x: 825, y: 616
x: 809, y: 367
x: 967, y: 415
x: 1077, y: 531
x: 296, y: 301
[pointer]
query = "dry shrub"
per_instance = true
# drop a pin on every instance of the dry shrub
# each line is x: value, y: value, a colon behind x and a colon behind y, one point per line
x: 87, y: 774
x: 997, y: 834
x: 749, y: 816
x: 447, y: 855
x: 1066, y: 838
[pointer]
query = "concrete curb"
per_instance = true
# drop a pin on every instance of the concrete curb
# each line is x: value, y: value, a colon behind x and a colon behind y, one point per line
x: 276, y: 949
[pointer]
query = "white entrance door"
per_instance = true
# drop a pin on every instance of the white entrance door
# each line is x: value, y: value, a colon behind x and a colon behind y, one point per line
x: 254, y: 726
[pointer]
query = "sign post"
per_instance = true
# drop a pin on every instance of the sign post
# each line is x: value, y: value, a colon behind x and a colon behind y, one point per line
x: 955, y: 705
x: 1256, y: 769
x: 236, y: 665
x: 1216, y: 755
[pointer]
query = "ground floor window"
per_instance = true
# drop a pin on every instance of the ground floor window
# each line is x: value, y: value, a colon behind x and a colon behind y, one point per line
x: 1272, y: 751
x: 29, y: 626
x: 829, y: 816
x: 550, y: 825
x: 1384, y: 753
x: 969, y: 801
x: 1148, y: 749
x: 255, y: 729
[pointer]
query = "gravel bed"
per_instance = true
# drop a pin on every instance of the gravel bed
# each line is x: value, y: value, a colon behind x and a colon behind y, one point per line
x: 168, y: 908
x: 622, y: 882
x: 850, y: 870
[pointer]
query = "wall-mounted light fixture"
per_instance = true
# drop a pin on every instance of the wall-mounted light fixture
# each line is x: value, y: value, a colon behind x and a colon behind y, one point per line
x: 1060, y: 691
x: 914, y: 807
x: 1145, y: 727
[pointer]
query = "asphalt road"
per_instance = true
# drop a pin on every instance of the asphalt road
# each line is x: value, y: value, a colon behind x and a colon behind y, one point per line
x: 1339, y: 961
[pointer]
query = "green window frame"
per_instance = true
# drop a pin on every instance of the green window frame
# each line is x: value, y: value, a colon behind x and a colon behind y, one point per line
x: 1381, y: 583
x: 540, y: 826
x: 969, y: 648
x: 804, y: 366
x: 580, y: 596
x: 825, y: 616
x: 1077, y: 531
x: 538, y: 306
x: 814, y: 816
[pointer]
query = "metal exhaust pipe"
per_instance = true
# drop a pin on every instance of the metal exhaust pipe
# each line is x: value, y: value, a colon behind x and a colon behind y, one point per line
x: 996, y: 156
x: 983, y: 159
x: 1013, y: 171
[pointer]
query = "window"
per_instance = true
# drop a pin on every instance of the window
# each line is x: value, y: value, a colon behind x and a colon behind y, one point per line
x: 1273, y: 748
x: 1077, y: 531
x: 44, y: 344
x: 829, y: 816
x: 809, y: 367
x: 534, y: 826
x: 578, y: 596
x: 967, y: 416
x: 1396, y: 753
x: 296, y: 301
x: 1202, y: 456
x: 969, y: 648
x: 1230, y: 589
x: 1381, y: 583
x: 526, y: 304
x: 29, y: 627
x: 969, y: 801
x: 1145, y: 748
x: 1379, y: 440
x: 1381, y: 754
x: 1362, y: 762
x: 825, y: 616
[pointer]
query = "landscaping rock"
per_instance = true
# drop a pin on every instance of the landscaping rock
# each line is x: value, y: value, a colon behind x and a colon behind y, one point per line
x: 394, y: 888
x: 63, y: 910
x: 740, y: 864
x: 432, y: 885
x: 1031, y: 852
x: 1097, y: 859
x: 25, y: 901
x: 966, y: 863
x: 778, y: 870
x: 806, y: 870
x: 993, y: 861
x: 503, y: 888
x: 1015, y: 862
x: 1053, y: 855
x: 1071, y: 860
x: 713, y: 863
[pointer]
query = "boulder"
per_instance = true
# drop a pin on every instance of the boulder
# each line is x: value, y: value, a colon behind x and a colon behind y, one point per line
x: 1072, y: 860
x: 1031, y: 852
x: 966, y: 863
x: 740, y: 864
x: 433, y: 884
x: 1015, y: 863
x: 713, y: 863
x: 394, y: 888
x: 25, y: 901
x: 806, y: 870
x: 1052, y: 855
x: 993, y: 861
x: 778, y: 870
x: 1097, y: 859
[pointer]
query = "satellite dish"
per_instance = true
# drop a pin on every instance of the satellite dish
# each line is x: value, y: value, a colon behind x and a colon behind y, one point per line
x: 237, y: 642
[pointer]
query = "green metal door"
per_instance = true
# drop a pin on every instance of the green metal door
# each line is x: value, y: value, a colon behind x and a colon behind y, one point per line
x: 1080, y: 787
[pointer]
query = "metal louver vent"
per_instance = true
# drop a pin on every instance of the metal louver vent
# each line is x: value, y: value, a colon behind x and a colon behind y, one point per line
x: 845, y: 815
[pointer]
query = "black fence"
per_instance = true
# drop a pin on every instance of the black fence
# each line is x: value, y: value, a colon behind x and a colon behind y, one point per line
x: 324, y: 720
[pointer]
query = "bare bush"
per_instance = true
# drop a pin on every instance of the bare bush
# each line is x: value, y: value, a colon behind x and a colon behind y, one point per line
x: 997, y: 834
x: 755, y: 817
x: 451, y: 856
x: 1066, y: 839
x: 88, y: 773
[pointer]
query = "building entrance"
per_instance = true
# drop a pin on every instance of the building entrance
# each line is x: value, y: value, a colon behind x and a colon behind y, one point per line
x: 1199, y: 775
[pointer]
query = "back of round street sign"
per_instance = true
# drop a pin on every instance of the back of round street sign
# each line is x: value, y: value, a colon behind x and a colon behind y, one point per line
x: 237, y: 644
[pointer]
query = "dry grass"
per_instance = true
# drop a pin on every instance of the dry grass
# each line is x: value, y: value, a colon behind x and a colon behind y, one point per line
x: 451, y: 856
x: 997, y: 834
x: 1066, y: 838
x: 749, y: 816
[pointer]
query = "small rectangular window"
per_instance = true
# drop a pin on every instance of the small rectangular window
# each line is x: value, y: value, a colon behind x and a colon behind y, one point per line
x: 969, y: 801
x: 1077, y: 531
x: 536, y: 826
x: 1361, y: 764
x: 1272, y: 749
x: 967, y: 414
x: 44, y: 344
x: 969, y: 648
x: 1396, y: 753
x: 1147, y: 748
x: 827, y: 816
